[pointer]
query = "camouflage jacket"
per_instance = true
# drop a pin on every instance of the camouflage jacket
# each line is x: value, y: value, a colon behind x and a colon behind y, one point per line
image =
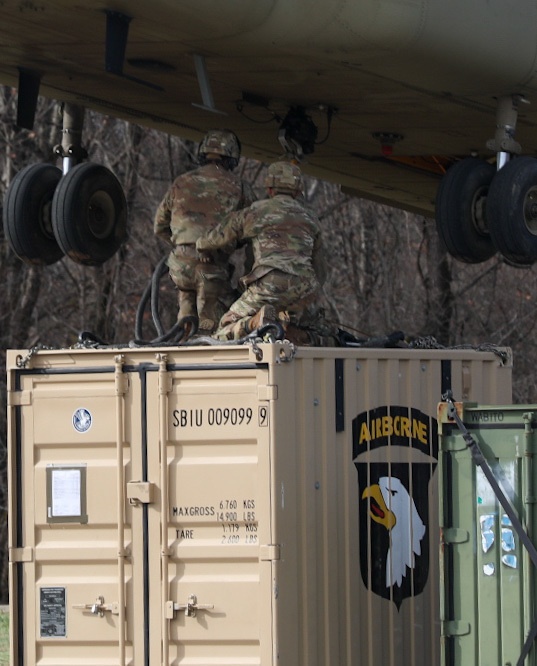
x: 197, y: 201
x: 284, y: 236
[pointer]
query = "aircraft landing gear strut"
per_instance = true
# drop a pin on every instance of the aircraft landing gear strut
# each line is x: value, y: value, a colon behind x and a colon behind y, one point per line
x: 481, y: 210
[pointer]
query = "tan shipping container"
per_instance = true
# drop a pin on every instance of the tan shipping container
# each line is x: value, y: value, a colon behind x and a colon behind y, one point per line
x: 230, y: 505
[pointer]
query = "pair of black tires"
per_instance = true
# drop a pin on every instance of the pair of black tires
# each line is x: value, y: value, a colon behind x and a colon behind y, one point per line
x: 481, y: 211
x: 82, y: 215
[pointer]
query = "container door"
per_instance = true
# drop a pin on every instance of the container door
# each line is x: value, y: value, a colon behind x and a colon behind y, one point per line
x: 489, y: 581
x: 71, y: 534
x: 215, y: 561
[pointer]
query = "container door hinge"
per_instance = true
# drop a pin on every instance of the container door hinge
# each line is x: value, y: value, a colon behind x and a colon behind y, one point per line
x: 455, y: 628
x: 140, y: 492
x: 190, y: 608
x: 21, y: 554
x: 452, y: 444
x: 269, y: 552
x: 454, y: 535
x: 267, y: 392
x: 19, y: 398
x: 122, y: 384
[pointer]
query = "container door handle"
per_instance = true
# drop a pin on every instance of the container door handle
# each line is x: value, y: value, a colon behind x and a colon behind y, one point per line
x: 190, y: 608
x: 99, y: 607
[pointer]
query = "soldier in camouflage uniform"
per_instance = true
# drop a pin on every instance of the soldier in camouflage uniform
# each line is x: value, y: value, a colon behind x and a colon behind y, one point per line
x: 196, y: 202
x: 288, y: 265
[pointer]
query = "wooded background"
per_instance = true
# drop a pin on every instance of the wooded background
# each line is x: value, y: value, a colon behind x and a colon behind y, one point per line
x: 388, y: 270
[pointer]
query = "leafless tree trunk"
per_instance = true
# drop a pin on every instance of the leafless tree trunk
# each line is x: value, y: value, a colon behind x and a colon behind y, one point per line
x: 435, y: 273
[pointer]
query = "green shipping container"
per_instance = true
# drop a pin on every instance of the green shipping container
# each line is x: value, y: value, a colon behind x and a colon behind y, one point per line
x: 488, y: 526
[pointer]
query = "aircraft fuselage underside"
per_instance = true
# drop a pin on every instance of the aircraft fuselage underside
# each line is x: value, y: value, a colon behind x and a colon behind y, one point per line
x: 399, y: 92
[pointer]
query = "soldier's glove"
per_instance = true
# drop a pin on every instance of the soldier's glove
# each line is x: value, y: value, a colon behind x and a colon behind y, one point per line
x: 205, y: 257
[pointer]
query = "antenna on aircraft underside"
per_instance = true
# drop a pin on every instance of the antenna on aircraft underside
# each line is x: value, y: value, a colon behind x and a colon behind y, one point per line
x: 205, y: 86
x: 117, y: 32
x: 29, y: 82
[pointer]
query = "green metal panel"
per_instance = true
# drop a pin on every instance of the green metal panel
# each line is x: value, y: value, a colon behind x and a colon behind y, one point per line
x: 487, y: 577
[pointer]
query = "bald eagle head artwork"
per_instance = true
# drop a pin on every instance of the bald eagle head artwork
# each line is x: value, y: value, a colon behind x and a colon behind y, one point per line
x: 391, y: 506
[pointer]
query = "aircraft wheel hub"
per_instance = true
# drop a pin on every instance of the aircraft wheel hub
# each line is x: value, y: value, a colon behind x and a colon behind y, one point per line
x: 101, y: 215
x: 530, y: 210
x: 478, y: 211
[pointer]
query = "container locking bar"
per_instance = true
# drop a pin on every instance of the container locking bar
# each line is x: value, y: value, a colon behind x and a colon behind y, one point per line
x: 99, y: 607
x: 480, y: 460
x: 190, y: 608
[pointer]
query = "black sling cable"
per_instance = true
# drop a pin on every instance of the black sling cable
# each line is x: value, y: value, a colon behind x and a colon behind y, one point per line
x: 445, y: 380
x: 480, y: 461
x: 445, y: 384
x: 340, y: 395
x: 448, y: 552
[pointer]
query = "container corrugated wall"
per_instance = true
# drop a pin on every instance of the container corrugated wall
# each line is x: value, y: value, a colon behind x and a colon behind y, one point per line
x: 296, y: 488
x: 366, y: 420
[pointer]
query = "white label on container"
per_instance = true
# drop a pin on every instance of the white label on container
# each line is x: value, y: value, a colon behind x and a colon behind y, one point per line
x: 66, y: 489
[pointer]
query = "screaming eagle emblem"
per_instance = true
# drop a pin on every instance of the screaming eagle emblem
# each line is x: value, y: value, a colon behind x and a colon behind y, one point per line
x: 395, y: 451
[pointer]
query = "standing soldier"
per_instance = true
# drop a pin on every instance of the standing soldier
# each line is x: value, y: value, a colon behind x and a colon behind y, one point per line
x: 195, y: 203
x: 289, y: 266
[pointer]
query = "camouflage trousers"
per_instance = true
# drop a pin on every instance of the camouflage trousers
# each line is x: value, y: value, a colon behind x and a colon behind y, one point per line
x: 205, y: 290
x: 290, y: 293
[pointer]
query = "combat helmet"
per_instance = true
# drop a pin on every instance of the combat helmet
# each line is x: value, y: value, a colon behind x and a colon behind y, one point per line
x: 284, y: 177
x: 220, y: 142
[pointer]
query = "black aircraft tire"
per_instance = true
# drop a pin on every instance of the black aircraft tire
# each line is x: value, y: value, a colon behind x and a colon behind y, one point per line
x: 89, y: 214
x: 27, y: 214
x: 460, y: 210
x: 512, y: 211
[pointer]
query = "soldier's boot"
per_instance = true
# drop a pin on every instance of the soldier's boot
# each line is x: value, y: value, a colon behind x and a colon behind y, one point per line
x: 266, y: 315
x: 187, y: 318
x: 206, y: 327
